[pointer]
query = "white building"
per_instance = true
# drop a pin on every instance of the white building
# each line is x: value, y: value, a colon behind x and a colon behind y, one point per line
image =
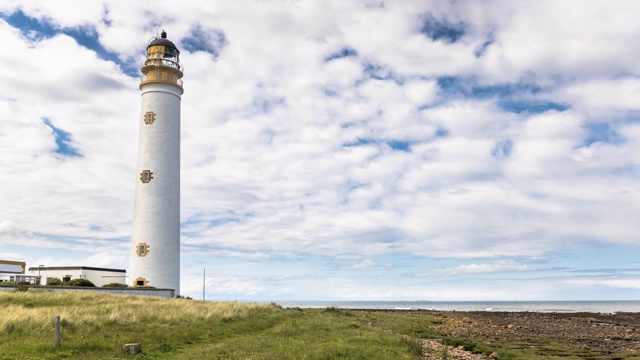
x: 155, y: 248
x: 98, y: 276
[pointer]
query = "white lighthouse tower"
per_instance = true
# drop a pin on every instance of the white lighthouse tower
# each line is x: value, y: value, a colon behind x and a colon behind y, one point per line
x: 155, y: 257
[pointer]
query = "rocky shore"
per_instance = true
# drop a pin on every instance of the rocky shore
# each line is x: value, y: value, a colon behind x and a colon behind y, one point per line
x: 536, y: 335
x: 436, y: 350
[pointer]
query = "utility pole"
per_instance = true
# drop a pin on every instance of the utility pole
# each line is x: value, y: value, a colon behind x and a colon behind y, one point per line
x: 204, y: 277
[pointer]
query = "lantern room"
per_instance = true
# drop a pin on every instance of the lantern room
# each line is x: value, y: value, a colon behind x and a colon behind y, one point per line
x: 162, y: 64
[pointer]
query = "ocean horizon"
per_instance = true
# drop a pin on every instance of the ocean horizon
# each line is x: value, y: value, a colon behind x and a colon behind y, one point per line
x: 601, y: 306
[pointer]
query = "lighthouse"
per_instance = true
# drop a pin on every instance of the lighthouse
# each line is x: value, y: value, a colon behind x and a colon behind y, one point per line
x: 155, y: 239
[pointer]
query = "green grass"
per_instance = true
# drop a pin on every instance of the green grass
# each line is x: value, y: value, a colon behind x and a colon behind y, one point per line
x: 313, y: 334
x: 97, y: 325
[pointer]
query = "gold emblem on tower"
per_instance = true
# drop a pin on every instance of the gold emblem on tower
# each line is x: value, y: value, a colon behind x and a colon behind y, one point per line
x: 142, y: 249
x: 146, y: 176
x: 149, y: 117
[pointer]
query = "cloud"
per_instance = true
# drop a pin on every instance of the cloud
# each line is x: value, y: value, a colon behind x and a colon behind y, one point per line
x: 38, y: 29
x: 441, y: 29
x: 355, y: 131
x: 503, y: 148
x: 211, y: 41
x: 606, y: 283
x: 484, y: 268
x: 342, y: 53
x: 8, y: 230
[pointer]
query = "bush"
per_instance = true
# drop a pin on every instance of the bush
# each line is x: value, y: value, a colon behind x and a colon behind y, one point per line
x: 54, y: 282
x: 80, y: 282
x: 22, y: 286
x: 115, y: 285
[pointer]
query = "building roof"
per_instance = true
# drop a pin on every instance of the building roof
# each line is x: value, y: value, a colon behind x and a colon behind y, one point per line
x: 75, y: 268
x: 10, y: 262
x: 162, y: 40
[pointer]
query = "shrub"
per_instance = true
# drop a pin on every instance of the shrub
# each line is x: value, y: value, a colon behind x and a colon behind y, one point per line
x: 115, y: 285
x: 22, y: 287
x: 80, y: 282
x: 54, y: 282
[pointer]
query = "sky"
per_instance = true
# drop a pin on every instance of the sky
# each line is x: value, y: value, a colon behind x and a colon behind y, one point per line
x: 337, y: 150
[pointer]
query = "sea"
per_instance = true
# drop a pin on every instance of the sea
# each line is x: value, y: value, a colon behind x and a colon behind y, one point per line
x: 607, y: 307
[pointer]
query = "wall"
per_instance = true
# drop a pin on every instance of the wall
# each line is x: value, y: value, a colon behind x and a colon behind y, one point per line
x: 168, y: 293
x: 156, y: 214
x: 97, y: 277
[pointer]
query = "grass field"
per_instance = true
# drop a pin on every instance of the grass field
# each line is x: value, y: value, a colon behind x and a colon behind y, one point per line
x: 97, y: 325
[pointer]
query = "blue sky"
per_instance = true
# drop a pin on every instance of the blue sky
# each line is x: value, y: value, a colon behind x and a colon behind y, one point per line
x: 361, y: 150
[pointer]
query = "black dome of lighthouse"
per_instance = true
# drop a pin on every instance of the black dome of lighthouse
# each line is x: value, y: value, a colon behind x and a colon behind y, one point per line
x: 162, y: 40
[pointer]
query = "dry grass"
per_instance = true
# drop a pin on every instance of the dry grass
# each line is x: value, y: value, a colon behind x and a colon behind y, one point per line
x: 35, y: 310
x: 96, y: 325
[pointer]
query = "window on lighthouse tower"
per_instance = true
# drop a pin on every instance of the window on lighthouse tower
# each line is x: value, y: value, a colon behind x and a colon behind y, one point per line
x: 146, y: 176
x: 142, y: 249
x: 149, y: 117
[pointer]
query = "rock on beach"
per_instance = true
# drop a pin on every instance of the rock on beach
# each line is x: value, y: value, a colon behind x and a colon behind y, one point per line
x: 591, y: 333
